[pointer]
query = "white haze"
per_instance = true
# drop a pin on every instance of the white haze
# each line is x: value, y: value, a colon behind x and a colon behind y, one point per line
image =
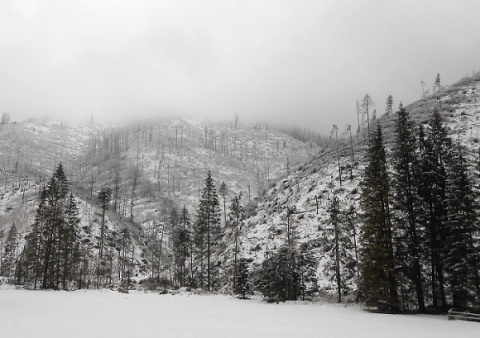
x: 297, y: 62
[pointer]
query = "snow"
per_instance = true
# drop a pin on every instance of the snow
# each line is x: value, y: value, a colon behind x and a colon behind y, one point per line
x: 105, y: 313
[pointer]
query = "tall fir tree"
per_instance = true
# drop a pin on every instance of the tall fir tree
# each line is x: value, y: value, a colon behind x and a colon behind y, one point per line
x: 185, y: 250
x: 379, y: 280
x: 434, y: 145
x: 208, y: 230
x: 406, y: 203
x: 462, y: 229
x: 9, y: 254
x: 236, y: 216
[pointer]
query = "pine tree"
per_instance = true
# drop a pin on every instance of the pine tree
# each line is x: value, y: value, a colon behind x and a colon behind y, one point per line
x: 434, y: 147
x: 49, y: 255
x: 367, y: 103
x: 208, y: 230
x: 70, y: 243
x: 184, y: 244
x: 286, y: 274
x: 9, y: 255
x: 335, y: 222
x: 389, y: 105
x: 337, y: 245
x: 174, y: 219
x: 406, y: 202
x: 236, y: 216
x: 104, y: 197
x: 379, y: 282
x: 351, y: 228
x: 461, y: 252
x: 278, y: 278
x: 306, y: 270
x: 223, y: 192
x: 243, y: 284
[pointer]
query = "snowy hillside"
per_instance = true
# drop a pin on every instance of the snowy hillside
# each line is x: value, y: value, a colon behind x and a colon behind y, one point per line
x: 167, y: 159
x: 296, y: 196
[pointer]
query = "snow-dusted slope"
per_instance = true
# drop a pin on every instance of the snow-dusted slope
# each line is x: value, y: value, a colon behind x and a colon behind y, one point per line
x: 319, y: 179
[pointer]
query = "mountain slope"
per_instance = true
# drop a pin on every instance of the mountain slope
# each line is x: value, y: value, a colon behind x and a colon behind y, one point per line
x: 293, y: 201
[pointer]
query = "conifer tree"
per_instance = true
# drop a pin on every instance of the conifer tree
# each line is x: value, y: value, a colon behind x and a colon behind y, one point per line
x: 223, y: 192
x: 236, y: 216
x: 406, y: 203
x: 243, y: 284
x: 389, y: 105
x: 9, y: 254
x: 184, y: 244
x: 335, y: 222
x: 337, y: 245
x: 434, y: 147
x: 306, y: 270
x: 48, y: 257
x: 70, y: 249
x: 208, y: 230
x: 379, y: 282
x: 104, y: 197
x: 462, y: 229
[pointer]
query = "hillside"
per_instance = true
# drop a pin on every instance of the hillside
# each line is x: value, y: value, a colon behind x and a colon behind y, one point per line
x: 153, y: 167
x: 292, y: 200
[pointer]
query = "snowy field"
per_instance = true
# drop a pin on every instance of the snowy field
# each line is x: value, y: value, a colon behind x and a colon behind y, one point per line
x: 91, y: 314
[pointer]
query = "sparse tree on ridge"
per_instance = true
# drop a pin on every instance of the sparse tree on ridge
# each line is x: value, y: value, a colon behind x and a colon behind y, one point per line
x: 389, y: 105
x: 366, y: 105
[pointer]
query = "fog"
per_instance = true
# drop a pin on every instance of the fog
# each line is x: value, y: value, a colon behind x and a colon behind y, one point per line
x: 301, y: 63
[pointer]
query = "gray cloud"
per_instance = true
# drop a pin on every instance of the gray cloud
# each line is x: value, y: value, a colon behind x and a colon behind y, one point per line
x: 297, y: 62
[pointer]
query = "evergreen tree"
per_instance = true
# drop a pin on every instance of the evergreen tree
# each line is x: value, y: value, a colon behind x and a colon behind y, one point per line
x: 434, y: 147
x: 243, y: 284
x: 379, y: 282
x: 223, y: 192
x: 48, y: 256
x: 184, y: 245
x: 307, y: 270
x: 236, y: 216
x: 70, y: 243
x: 278, y: 278
x: 286, y: 274
x: 461, y: 251
x: 406, y: 203
x: 337, y: 246
x: 9, y: 255
x: 389, y: 105
x: 351, y: 228
x: 208, y: 230
x: 174, y: 220
x: 104, y: 197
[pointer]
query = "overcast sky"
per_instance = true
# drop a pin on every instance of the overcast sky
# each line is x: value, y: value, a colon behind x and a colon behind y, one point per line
x: 297, y: 62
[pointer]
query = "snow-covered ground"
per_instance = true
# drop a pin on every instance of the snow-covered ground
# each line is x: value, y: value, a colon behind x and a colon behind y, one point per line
x: 90, y: 314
